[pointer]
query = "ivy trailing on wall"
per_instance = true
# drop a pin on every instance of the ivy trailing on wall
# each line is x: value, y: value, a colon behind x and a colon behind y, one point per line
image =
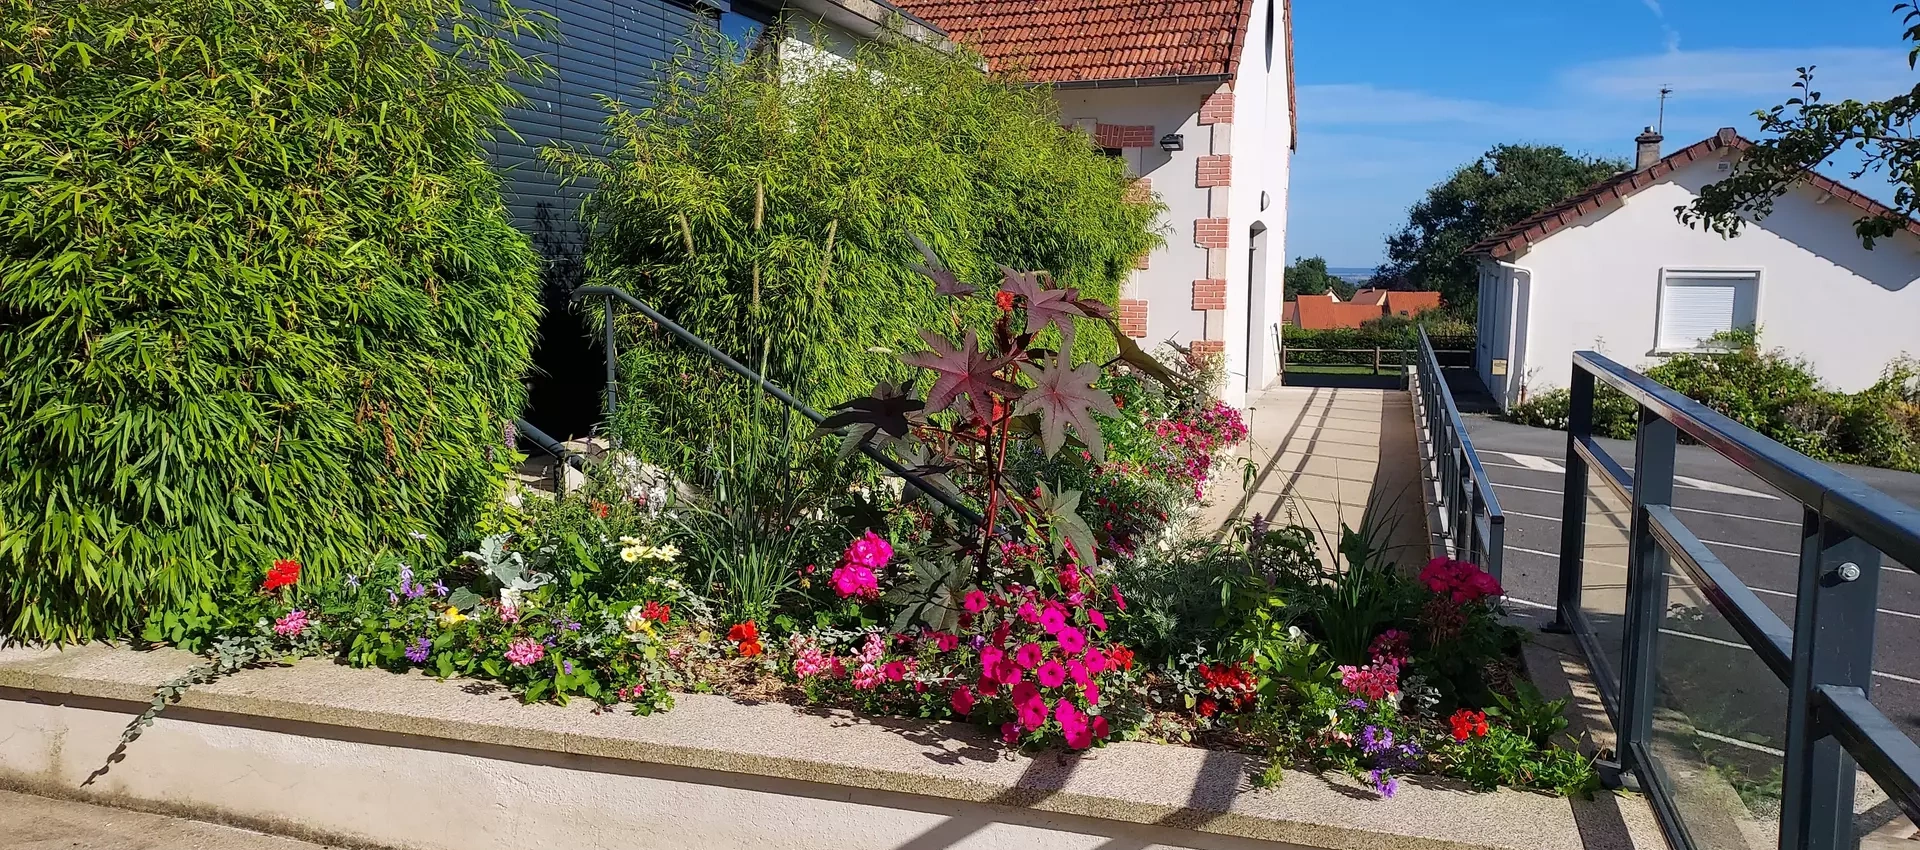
x: 766, y: 205
x: 259, y: 297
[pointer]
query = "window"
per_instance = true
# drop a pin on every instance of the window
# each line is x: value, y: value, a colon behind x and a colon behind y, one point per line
x: 1696, y: 304
x: 740, y: 22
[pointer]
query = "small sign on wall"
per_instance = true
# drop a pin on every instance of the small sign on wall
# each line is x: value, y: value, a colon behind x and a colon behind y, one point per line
x: 1499, y: 367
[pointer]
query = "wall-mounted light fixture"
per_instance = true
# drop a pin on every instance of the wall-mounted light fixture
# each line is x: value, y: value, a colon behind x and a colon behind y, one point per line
x: 1172, y: 142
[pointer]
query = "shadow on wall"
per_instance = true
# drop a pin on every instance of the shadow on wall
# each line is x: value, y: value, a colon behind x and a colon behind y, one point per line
x: 1826, y: 229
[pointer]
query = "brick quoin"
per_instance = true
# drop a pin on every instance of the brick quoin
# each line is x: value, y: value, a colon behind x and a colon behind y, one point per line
x: 1210, y: 232
x: 1142, y: 262
x: 1210, y: 294
x: 1140, y: 191
x: 1218, y: 108
x: 1204, y: 347
x: 1133, y: 317
x: 1215, y: 170
x: 1123, y: 135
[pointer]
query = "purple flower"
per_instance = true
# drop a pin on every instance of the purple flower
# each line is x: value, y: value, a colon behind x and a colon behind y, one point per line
x: 392, y: 598
x: 418, y: 652
x: 353, y: 581
x: 1375, y: 740
x: 439, y: 588
x: 572, y: 627
x: 1356, y: 703
x: 566, y: 667
x: 978, y: 641
x: 1384, y: 783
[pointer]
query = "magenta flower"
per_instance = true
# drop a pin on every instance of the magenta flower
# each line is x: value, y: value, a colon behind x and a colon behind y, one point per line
x: 946, y: 641
x: 976, y: 601
x: 1119, y: 601
x: 1052, y: 619
x: 1096, y: 661
x: 1029, y: 656
x: 870, y: 551
x: 1098, y: 619
x: 1031, y: 708
x: 990, y: 658
x: 292, y: 624
x: 1077, y: 671
x: 525, y: 653
x: 1092, y: 691
x: 1028, y: 613
x: 855, y: 580
x: 1051, y: 674
x: 1072, y: 640
x: 962, y: 700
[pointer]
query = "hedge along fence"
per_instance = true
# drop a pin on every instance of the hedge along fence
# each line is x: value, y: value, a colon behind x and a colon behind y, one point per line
x: 768, y: 209
x: 1394, y: 336
x: 259, y: 297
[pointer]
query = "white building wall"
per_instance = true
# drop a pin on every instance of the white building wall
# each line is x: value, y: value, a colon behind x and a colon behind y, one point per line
x: 1596, y: 285
x: 1167, y: 281
x: 1258, y: 138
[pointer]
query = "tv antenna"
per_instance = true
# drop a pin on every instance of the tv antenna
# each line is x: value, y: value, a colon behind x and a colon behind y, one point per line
x: 1661, y: 126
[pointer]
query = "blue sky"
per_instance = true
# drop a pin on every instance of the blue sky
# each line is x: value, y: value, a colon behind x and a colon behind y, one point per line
x: 1393, y: 95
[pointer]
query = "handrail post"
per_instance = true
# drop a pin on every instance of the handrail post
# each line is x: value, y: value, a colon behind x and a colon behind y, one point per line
x: 1573, y: 503
x: 1832, y: 645
x: 613, y: 360
x: 1645, y: 608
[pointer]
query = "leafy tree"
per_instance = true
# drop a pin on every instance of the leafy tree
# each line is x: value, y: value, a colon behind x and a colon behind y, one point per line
x: 259, y: 297
x: 1805, y: 133
x: 769, y: 210
x: 1506, y: 184
x: 1308, y: 276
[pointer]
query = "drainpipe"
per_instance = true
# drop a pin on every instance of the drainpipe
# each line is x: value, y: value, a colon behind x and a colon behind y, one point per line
x: 1513, y: 322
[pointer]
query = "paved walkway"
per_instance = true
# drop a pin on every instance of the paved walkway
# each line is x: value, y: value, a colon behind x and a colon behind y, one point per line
x: 1320, y: 457
x: 38, y: 823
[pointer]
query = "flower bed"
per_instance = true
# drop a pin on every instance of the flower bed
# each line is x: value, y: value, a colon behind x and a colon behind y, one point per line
x: 1069, y: 618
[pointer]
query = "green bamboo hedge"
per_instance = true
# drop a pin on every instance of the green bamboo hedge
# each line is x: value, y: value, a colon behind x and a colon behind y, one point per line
x: 259, y: 297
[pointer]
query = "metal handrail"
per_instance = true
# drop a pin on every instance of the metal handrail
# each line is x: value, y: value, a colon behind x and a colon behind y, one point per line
x: 1824, y: 658
x: 613, y: 293
x: 1472, y: 525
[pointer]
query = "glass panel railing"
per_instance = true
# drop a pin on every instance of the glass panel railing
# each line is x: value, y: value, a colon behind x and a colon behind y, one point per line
x: 1603, y: 589
x: 1718, y: 726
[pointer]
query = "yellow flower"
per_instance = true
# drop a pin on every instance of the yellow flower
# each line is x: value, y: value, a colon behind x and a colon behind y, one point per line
x: 452, y: 617
x: 635, y: 553
x: 667, y: 553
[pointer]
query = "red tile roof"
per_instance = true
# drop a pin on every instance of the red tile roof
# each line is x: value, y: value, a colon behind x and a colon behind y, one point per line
x: 1061, y: 41
x: 1538, y: 226
x: 1320, y: 312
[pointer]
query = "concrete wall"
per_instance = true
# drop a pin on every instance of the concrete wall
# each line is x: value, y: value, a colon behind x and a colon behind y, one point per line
x: 1596, y: 285
x: 396, y: 790
x: 1262, y: 158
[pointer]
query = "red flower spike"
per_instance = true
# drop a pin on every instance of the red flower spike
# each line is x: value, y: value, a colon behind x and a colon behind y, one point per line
x: 284, y: 573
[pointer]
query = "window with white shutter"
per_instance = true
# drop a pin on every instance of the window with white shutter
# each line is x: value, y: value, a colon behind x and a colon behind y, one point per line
x: 1696, y: 305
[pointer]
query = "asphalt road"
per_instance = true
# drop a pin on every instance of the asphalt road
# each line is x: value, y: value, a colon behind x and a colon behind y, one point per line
x: 1753, y: 528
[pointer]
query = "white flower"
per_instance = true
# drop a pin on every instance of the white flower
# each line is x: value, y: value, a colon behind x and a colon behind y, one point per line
x: 631, y: 541
x: 509, y: 597
x: 635, y: 553
x: 636, y: 619
x: 667, y: 553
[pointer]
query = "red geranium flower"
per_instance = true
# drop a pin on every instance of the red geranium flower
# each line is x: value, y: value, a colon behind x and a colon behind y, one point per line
x: 285, y: 572
x: 1121, y: 656
x: 744, y: 633
x: 1467, y: 724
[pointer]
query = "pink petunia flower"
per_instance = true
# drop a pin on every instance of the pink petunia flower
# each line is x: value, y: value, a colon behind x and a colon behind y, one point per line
x: 1052, y: 619
x: 870, y: 551
x: 1072, y: 640
x: 1098, y: 619
x: 1051, y: 674
x: 1119, y: 601
x: 1029, y: 656
x: 962, y: 700
x: 1095, y: 660
x: 1030, y: 707
x: 976, y: 602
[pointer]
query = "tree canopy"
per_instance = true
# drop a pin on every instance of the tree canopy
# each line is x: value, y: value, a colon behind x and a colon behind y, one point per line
x: 1308, y: 276
x: 1805, y: 133
x: 1501, y: 187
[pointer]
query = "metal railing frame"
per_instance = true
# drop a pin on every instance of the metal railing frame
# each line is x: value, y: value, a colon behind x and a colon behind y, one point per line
x: 1473, y: 527
x: 1824, y: 660
x: 612, y: 295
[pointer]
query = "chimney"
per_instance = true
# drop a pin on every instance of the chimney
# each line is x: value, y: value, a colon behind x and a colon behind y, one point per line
x: 1646, y: 150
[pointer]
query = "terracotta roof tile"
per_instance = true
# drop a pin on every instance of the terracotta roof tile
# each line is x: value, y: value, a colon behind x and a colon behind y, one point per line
x: 1540, y: 225
x: 1078, y: 40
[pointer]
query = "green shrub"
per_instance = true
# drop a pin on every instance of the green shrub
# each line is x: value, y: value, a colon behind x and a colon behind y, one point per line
x: 1397, y: 334
x: 768, y: 210
x: 258, y: 295
x: 1775, y: 394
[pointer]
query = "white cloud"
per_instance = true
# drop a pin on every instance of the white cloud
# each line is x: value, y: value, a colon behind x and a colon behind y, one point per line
x: 1654, y: 6
x: 1731, y: 72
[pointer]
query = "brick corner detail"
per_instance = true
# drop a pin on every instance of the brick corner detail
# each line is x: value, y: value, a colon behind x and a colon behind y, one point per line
x: 1210, y: 294
x: 1217, y: 108
x: 1213, y: 170
x: 1208, y: 347
x: 1210, y: 232
x: 1140, y: 190
x: 1133, y: 317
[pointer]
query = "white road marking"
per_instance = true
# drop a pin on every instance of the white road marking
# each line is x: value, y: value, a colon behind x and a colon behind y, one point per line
x: 1708, y: 542
x: 1713, y: 640
x: 1675, y: 507
x: 1767, y: 591
x: 1749, y: 745
x: 1717, y: 487
x: 1534, y: 462
x: 1537, y: 463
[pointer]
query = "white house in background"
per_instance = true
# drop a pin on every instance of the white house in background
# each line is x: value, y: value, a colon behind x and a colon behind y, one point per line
x: 1614, y: 271
x: 1197, y: 97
